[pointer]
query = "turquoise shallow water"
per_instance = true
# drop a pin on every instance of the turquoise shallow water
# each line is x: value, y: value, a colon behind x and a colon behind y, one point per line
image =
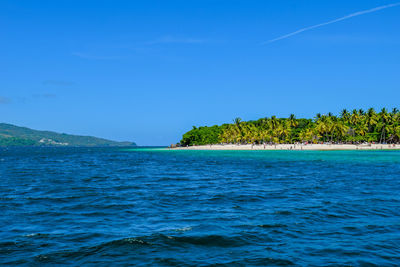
x: 103, y: 206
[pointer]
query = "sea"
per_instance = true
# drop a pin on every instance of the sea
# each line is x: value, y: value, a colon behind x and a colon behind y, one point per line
x: 159, y: 207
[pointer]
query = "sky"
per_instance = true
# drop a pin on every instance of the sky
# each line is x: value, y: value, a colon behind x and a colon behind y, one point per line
x: 147, y: 71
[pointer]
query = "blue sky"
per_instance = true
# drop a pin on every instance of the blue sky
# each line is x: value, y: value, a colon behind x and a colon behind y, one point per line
x: 146, y: 71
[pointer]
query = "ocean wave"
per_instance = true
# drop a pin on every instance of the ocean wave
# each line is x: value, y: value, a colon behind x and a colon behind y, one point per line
x: 103, y: 207
x: 155, y: 243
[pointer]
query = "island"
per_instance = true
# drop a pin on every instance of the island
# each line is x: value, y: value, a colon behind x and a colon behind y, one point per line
x: 11, y: 135
x: 353, y: 130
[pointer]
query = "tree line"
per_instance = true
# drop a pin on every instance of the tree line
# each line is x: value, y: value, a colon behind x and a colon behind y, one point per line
x: 357, y: 126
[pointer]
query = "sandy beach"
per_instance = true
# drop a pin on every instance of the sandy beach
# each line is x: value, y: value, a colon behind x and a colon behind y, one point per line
x: 294, y: 147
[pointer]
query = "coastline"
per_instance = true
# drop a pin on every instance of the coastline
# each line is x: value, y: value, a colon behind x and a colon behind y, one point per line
x: 297, y: 147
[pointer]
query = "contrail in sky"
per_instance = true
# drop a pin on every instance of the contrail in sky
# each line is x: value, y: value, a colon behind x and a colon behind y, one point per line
x: 331, y: 22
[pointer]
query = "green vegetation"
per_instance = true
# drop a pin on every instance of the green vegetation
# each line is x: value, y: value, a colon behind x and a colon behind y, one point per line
x: 357, y: 126
x: 15, y: 141
x: 11, y: 135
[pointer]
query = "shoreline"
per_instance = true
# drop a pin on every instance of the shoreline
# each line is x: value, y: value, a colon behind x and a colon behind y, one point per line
x: 296, y: 147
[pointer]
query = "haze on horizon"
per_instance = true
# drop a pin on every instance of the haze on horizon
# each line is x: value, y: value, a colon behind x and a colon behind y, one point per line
x: 148, y: 71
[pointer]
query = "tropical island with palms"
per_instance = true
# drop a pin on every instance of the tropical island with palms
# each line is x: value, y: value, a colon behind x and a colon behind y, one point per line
x: 357, y: 129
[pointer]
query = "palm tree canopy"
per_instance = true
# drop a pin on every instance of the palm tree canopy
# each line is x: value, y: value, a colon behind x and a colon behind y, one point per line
x: 357, y: 126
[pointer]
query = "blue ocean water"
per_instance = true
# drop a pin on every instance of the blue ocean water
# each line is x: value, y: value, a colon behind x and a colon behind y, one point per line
x: 112, y: 206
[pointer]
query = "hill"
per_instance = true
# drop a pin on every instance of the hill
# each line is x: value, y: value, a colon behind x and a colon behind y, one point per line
x: 11, y: 135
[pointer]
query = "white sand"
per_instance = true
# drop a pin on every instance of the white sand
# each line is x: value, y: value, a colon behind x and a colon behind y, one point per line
x: 292, y: 147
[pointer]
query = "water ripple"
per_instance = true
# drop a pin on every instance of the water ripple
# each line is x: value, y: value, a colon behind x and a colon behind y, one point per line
x: 107, y: 206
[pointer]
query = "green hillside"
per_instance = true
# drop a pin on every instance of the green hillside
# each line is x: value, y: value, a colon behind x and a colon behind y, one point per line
x: 11, y: 135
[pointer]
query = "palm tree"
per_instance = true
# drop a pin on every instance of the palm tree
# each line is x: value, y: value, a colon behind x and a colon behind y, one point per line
x: 238, y: 124
x: 394, y: 133
x: 317, y: 117
x: 303, y: 135
x: 237, y: 120
x: 284, y: 131
x: 265, y: 134
x: 371, y: 119
x: 355, y: 126
x: 394, y: 125
x: 341, y: 130
x: 274, y: 122
x: 383, y: 120
x: 354, y: 117
x: 361, y: 129
x: 345, y: 115
x: 274, y: 125
x: 322, y: 126
x: 293, y: 121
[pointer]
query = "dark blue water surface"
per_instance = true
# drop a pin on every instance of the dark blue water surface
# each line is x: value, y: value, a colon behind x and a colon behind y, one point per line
x: 97, y: 206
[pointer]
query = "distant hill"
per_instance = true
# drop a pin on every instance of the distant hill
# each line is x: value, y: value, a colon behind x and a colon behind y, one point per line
x: 11, y: 135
